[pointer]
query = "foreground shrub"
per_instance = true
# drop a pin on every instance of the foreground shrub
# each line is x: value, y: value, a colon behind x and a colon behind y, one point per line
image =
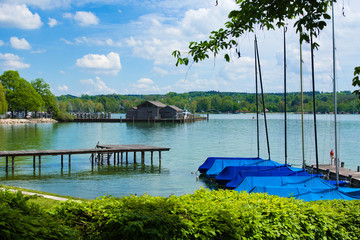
x: 20, y: 219
x: 212, y: 215
x: 64, y: 117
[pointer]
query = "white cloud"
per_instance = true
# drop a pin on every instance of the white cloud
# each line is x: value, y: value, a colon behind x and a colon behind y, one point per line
x: 106, y: 64
x: 53, y: 22
x: 98, y: 86
x: 146, y: 85
x: 9, y: 61
x: 63, y: 88
x: 19, y: 43
x: 97, y: 42
x: 18, y: 16
x: 1, y: 43
x: 83, y: 18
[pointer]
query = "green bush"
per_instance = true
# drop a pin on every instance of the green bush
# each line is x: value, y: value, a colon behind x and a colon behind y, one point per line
x: 64, y: 117
x: 20, y: 219
x: 212, y: 215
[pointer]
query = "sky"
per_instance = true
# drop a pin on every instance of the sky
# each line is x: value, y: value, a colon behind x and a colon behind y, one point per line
x: 124, y: 47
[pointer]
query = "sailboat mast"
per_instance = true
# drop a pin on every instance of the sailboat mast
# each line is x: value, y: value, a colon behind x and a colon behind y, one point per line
x: 262, y: 98
x: 314, y: 103
x: 257, y: 101
x: 302, y: 107
x: 285, y: 118
x: 335, y: 96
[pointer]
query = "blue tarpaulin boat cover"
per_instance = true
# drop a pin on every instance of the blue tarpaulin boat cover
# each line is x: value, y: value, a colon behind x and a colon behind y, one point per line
x: 230, y: 172
x: 308, y: 188
x: 218, y: 164
x: 279, y: 171
x: 303, y: 193
x: 210, y: 161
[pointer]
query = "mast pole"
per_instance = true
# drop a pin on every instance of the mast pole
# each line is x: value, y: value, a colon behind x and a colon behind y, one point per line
x: 263, y: 101
x: 257, y: 101
x: 335, y: 96
x: 285, y: 118
x: 302, y: 107
x: 314, y: 107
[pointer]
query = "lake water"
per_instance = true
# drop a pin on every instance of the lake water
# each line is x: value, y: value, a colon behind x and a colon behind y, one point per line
x: 228, y: 135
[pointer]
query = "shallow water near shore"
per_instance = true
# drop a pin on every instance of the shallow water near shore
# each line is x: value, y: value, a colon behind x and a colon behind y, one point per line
x: 228, y: 135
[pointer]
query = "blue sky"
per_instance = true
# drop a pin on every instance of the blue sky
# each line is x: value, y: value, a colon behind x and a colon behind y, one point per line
x: 124, y: 47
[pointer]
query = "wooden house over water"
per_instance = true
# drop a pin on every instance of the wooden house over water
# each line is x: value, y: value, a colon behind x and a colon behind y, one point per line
x: 171, y: 111
x: 148, y: 110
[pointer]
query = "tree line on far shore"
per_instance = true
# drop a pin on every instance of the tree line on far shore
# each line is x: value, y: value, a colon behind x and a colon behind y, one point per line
x: 213, y: 102
x: 17, y: 94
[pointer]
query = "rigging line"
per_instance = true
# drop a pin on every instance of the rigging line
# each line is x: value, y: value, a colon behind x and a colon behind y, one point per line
x: 263, y: 101
x: 302, y: 108
x: 335, y: 96
x: 285, y: 117
x: 257, y: 101
x: 314, y: 107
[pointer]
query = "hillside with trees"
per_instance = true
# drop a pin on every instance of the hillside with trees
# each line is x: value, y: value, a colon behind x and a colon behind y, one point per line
x: 211, y: 101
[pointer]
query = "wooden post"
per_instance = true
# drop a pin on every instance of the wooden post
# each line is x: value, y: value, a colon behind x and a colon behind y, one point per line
x: 69, y: 160
x: 108, y: 159
x: 92, y: 159
x: 122, y: 153
x: 7, y: 163
x: 134, y: 157
x: 152, y: 157
x: 142, y: 157
x: 34, y: 162
x: 159, y: 157
x: 114, y: 158
x: 39, y: 161
x: 127, y: 157
x: 12, y: 162
x: 99, y: 159
x: 62, y: 161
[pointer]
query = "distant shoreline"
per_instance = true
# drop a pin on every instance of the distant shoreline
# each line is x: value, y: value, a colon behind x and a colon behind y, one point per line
x: 12, y: 121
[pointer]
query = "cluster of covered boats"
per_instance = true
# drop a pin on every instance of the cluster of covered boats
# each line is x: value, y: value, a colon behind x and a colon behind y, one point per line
x: 256, y: 175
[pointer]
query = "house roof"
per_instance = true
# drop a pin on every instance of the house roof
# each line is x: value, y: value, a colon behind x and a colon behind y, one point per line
x: 155, y: 103
x: 175, y: 108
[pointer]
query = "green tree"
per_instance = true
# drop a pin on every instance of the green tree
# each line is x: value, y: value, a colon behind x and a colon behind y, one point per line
x: 193, y: 106
x: 47, y: 96
x: 356, y: 81
x: 3, y: 102
x: 99, y: 107
x: 203, y: 104
x: 20, y: 94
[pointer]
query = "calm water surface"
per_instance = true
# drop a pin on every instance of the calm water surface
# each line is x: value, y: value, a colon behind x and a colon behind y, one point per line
x: 190, y: 143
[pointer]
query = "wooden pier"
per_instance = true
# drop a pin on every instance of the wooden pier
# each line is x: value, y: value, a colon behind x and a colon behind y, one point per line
x: 344, y: 174
x: 99, y: 155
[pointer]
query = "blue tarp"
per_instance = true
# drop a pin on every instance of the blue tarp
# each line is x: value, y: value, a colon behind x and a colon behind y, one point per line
x: 220, y: 163
x: 210, y: 161
x: 230, y: 172
x: 303, y: 193
x: 279, y: 171
x: 308, y: 188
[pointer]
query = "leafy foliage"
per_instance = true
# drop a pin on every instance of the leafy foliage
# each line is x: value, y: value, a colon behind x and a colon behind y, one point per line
x: 3, y: 103
x: 267, y: 14
x: 20, y: 219
x: 356, y: 81
x: 42, y: 88
x: 20, y: 95
x: 212, y: 215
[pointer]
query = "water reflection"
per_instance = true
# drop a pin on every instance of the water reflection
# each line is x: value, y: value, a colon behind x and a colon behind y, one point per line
x: 122, y: 170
